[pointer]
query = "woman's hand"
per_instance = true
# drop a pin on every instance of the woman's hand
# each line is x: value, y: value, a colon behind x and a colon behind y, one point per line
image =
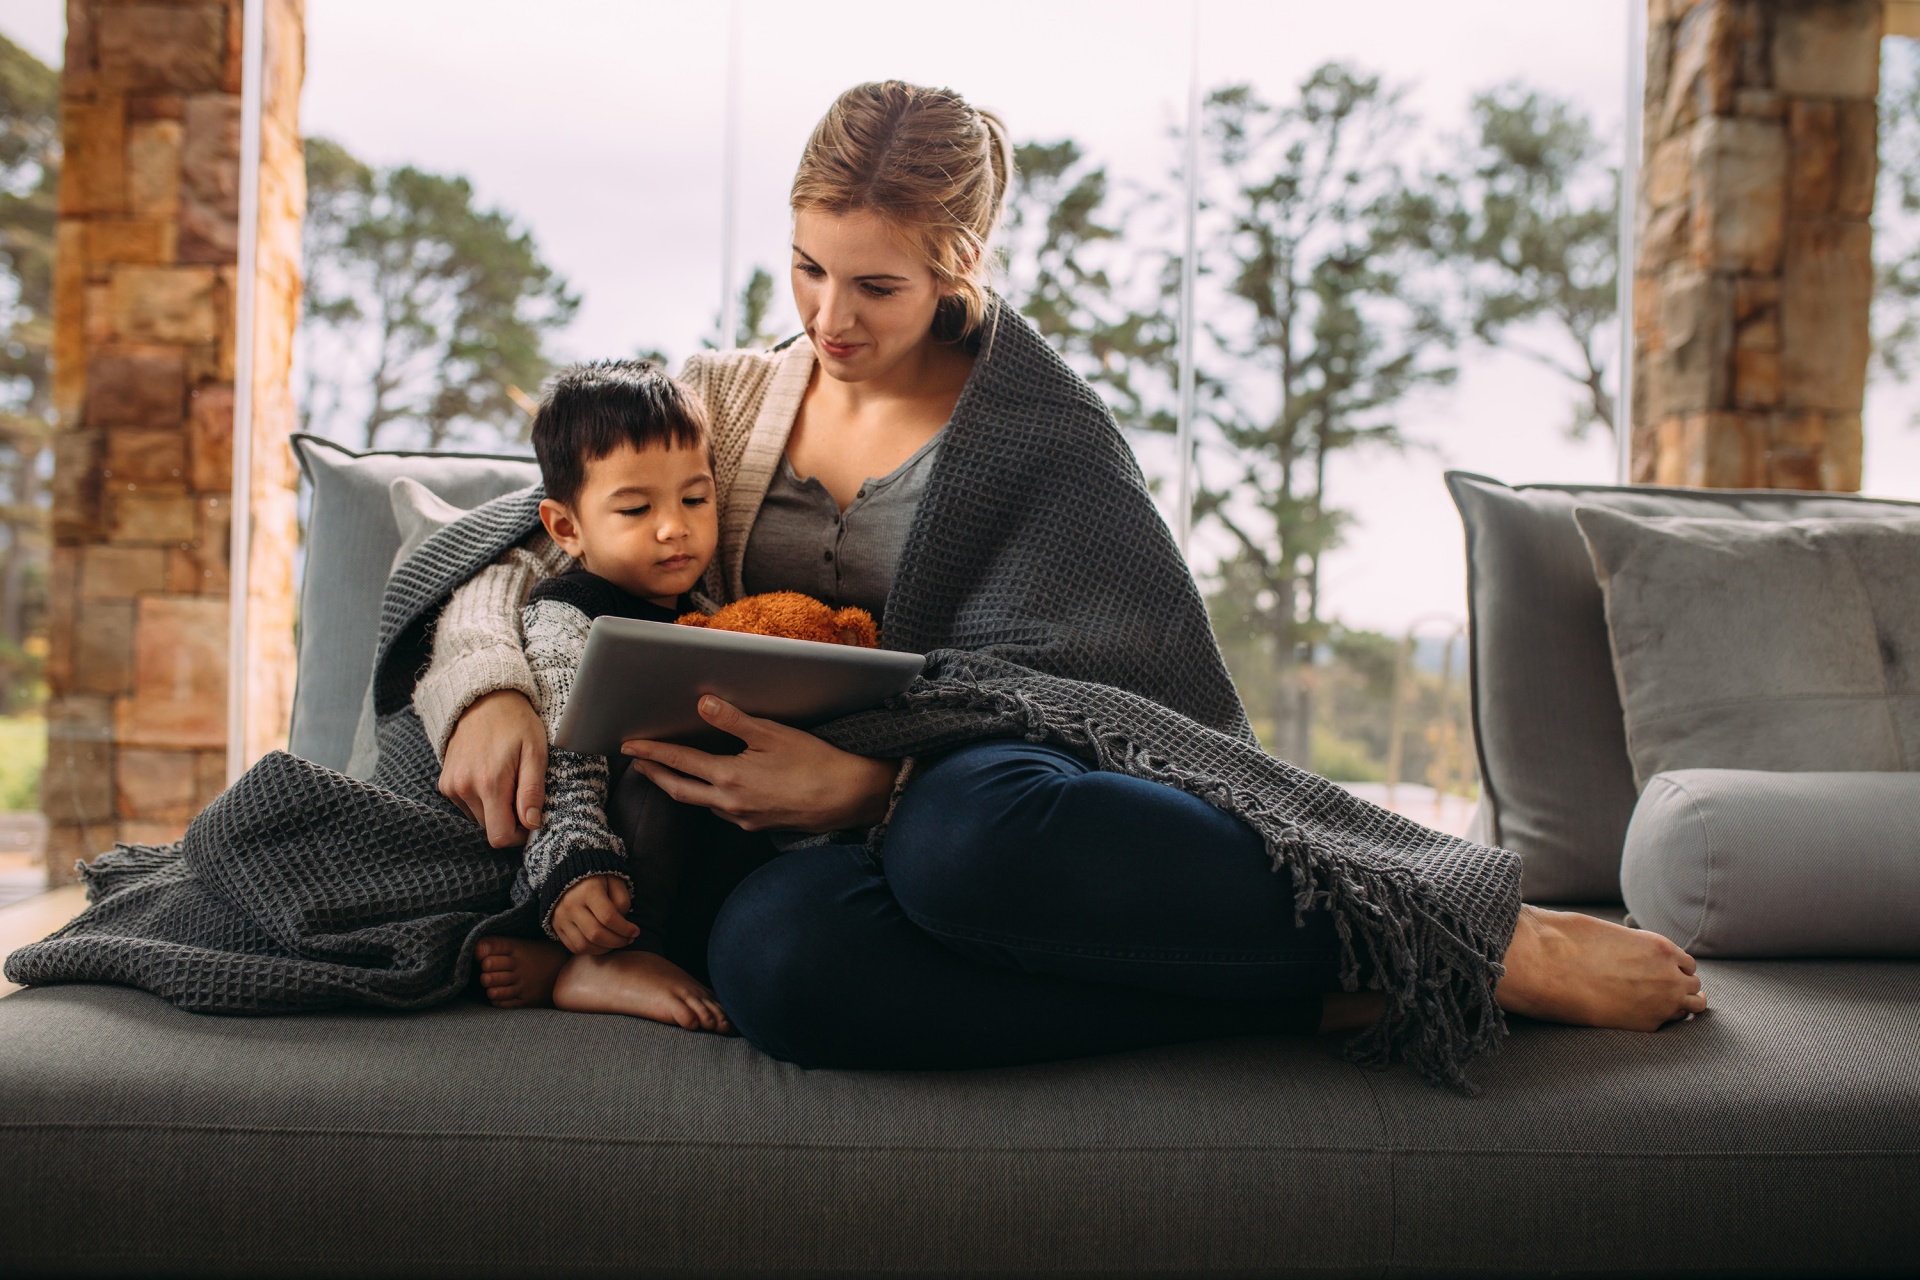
x: 786, y: 779
x: 496, y: 766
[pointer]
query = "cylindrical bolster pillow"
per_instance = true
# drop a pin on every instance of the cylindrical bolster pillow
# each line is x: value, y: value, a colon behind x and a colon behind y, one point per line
x: 1738, y: 862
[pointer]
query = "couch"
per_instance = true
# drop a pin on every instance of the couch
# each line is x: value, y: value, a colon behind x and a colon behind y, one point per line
x: 1777, y: 1135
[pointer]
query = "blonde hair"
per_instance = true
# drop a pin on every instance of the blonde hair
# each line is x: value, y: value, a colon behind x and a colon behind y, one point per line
x: 926, y: 161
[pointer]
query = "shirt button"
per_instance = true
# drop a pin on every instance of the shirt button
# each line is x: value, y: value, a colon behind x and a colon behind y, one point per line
x: 829, y: 556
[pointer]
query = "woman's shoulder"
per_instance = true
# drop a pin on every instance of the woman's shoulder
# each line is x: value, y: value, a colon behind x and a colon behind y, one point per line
x: 734, y: 383
x: 725, y: 369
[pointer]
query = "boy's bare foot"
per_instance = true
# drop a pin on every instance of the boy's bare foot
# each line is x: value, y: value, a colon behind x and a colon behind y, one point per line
x: 1566, y: 967
x: 518, y: 973
x: 642, y: 985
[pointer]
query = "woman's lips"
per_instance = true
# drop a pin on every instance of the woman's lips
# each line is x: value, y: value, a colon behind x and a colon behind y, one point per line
x: 838, y: 350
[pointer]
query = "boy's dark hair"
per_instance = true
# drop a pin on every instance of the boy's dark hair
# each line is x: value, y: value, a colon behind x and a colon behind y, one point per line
x: 589, y: 410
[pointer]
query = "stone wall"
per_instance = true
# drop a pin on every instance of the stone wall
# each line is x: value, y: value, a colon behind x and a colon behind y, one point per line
x: 145, y: 272
x: 1754, y: 256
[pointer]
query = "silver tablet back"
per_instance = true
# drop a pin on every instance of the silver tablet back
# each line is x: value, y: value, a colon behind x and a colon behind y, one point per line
x: 643, y: 680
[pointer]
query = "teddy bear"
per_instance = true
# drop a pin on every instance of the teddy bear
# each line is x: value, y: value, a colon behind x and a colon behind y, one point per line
x: 794, y: 616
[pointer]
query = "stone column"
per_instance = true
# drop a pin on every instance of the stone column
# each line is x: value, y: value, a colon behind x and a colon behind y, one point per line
x: 145, y: 268
x: 1754, y: 261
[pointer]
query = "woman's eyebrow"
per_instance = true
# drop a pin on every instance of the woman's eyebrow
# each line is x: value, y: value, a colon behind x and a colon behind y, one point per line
x: 878, y: 275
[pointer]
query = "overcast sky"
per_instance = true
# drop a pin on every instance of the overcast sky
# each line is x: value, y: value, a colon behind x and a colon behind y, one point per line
x: 599, y: 124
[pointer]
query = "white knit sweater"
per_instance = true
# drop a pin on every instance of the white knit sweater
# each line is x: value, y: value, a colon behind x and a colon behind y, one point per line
x: 752, y: 398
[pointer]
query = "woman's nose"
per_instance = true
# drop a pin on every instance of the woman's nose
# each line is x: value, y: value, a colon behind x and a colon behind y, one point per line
x: 836, y: 310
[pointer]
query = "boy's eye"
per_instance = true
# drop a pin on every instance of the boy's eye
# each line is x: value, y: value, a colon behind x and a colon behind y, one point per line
x: 636, y: 511
x: 698, y: 502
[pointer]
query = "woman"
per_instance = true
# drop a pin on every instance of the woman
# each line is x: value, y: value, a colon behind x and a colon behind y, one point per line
x: 1074, y: 838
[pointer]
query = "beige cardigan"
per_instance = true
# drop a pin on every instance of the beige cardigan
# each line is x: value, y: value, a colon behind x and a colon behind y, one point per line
x: 752, y: 398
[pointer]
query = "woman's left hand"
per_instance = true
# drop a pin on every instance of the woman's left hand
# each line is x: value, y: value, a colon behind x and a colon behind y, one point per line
x: 785, y: 780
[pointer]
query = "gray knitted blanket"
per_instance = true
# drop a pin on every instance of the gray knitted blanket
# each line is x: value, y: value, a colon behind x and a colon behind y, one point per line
x: 1053, y: 605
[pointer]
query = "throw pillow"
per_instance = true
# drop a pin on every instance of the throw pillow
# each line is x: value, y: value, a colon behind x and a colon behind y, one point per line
x: 351, y: 540
x: 418, y: 513
x: 1739, y: 645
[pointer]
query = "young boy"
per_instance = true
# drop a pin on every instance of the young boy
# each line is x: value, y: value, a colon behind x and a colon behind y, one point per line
x: 624, y: 458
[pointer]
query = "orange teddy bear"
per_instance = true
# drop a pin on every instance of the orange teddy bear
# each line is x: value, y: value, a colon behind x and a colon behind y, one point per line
x: 794, y: 616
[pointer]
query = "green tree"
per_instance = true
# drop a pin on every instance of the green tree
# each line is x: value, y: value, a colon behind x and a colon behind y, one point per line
x: 1069, y: 267
x: 422, y: 309
x: 1318, y: 328
x: 29, y: 177
x: 1528, y: 214
x: 750, y: 327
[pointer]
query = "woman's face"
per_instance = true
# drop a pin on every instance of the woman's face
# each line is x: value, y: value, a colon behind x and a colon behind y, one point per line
x: 866, y: 298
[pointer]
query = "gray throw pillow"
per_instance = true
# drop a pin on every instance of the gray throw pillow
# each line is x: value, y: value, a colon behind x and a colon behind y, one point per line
x: 1557, y: 787
x: 1740, y: 863
x: 419, y: 513
x: 351, y: 541
x: 1739, y: 645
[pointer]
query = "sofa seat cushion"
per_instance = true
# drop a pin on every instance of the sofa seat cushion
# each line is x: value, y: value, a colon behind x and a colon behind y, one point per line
x: 1779, y: 1133
x: 1740, y: 862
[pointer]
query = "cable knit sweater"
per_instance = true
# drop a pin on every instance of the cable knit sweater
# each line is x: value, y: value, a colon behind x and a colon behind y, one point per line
x: 573, y: 840
x: 752, y: 398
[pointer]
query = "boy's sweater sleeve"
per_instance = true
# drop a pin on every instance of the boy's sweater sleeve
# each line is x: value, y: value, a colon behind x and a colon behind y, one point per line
x: 476, y: 641
x: 573, y: 840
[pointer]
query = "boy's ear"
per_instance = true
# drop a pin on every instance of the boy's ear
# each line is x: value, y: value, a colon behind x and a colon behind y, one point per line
x: 561, y: 526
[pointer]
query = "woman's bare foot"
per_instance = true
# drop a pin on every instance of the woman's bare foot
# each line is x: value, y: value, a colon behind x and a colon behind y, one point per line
x: 1566, y: 967
x: 518, y: 973
x: 642, y: 985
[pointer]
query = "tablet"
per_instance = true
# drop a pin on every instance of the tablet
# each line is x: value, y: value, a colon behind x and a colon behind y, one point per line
x: 643, y: 680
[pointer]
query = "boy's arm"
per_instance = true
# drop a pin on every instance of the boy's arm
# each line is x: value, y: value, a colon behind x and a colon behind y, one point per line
x: 476, y: 640
x: 573, y: 840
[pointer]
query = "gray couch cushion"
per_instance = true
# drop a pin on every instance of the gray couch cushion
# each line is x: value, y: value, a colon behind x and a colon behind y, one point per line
x: 351, y: 540
x: 1555, y: 777
x: 1739, y: 645
x: 1736, y: 862
x: 1779, y: 1133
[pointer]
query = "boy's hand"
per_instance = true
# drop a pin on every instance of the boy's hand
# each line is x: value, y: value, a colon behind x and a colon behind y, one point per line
x: 591, y: 918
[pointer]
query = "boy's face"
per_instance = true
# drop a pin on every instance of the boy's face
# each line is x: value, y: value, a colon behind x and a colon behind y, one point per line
x: 644, y: 520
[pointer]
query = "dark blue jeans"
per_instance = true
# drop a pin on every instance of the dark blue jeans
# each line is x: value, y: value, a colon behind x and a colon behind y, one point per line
x: 1029, y: 908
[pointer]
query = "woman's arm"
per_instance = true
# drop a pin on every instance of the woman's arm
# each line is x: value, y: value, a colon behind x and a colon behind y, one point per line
x: 785, y: 780
x: 475, y: 700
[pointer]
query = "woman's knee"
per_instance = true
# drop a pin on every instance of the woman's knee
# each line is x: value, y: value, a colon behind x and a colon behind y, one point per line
x: 778, y: 964
x: 969, y: 829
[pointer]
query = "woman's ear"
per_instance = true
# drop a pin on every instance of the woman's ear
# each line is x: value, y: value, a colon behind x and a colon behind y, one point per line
x: 562, y: 527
